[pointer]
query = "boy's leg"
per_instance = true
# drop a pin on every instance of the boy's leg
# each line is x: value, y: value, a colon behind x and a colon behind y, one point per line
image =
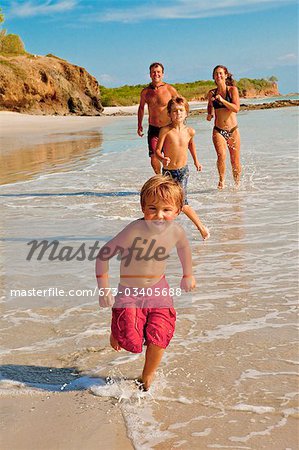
x: 153, y: 358
x: 191, y: 214
x: 114, y: 343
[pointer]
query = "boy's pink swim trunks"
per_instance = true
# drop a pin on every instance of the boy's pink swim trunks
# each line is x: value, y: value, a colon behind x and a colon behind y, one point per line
x: 136, y: 322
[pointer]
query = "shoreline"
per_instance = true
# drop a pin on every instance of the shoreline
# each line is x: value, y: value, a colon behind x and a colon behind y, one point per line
x: 13, y: 123
x: 24, y: 130
x: 132, y: 110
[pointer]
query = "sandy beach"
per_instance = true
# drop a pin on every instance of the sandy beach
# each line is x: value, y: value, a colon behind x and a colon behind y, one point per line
x: 20, y: 130
x: 55, y: 421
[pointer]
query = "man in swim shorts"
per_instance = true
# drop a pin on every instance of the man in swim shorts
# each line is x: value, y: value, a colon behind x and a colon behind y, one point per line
x: 143, y: 310
x: 156, y: 95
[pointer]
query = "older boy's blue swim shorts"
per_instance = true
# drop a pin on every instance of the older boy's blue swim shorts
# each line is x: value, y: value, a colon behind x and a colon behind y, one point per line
x: 181, y: 176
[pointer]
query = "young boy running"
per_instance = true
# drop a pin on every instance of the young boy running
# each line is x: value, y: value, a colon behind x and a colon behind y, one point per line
x: 143, y: 309
x: 172, y: 150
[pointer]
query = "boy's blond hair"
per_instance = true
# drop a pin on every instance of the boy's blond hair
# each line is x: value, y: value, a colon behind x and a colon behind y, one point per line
x: 178, y: 101
x: 162, y: 187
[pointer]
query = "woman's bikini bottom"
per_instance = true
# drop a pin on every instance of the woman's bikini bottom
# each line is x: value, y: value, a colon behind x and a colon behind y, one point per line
x: 227, y: 134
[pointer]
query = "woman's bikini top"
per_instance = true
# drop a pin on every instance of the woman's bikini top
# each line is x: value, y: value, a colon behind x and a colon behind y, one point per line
x: 217, y: 104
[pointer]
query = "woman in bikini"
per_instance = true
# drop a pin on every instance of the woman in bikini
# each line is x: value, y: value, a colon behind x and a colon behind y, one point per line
x: 224, y: 101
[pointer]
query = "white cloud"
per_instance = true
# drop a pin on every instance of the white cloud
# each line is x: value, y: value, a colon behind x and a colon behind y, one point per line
x: 34, y: 8
x: 288, y: 58
x: 105, y: 78
x: 183, y: 9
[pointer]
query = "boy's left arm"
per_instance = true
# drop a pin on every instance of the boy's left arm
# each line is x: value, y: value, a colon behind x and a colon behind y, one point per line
x: 188, y: 282
x: 192, y: 149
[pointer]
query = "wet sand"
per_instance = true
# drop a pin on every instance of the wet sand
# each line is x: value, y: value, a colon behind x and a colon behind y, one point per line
x: 21, y: 130
x: 61, y: 421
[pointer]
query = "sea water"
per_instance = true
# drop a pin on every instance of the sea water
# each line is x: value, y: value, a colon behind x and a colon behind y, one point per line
x: 229, y: 378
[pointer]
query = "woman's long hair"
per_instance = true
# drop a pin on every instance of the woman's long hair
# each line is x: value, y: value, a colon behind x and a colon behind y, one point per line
x: 229, y: 81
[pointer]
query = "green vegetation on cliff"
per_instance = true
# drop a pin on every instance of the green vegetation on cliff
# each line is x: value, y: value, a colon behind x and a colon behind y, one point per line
x: 197, y: 90
x: 121, y: 96
x: 246, y: 84
x: 10, y: 44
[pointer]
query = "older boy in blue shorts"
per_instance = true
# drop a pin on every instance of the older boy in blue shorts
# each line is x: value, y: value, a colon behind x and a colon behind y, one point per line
x: 172, y: 150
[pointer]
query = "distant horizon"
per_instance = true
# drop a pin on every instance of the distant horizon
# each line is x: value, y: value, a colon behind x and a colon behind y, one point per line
x: 117, y: 41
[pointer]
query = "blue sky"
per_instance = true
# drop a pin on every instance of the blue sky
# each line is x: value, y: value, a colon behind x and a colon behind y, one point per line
x: 117, y: 40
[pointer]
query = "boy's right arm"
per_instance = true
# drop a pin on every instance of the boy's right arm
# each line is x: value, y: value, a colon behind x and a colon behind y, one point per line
x: 141, y: 112
x: 110, y: 249
x: 102, y: 274
x: 162, y: 135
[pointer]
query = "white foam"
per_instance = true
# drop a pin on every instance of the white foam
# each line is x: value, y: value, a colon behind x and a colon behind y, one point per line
x: 253, y: 408
x: 180, y: 399
x: 265, y: 432
x: 234, y: 447
x: 228, y: 330
x: 205, y: 432
x: 122, y: 390
x: 255, y: 374
x: 143, y: 429
x: 291, y: 412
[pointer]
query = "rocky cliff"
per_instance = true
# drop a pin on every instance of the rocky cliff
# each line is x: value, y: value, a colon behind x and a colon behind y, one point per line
x: 271, y: 91
x: 47, y: 85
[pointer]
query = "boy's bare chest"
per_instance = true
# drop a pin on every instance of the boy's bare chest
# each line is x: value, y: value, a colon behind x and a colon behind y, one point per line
x: 178, y: 139
x: 146, y: 247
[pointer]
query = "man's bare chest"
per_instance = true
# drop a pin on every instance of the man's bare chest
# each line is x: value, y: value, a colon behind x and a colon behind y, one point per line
x: 158, y: 98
